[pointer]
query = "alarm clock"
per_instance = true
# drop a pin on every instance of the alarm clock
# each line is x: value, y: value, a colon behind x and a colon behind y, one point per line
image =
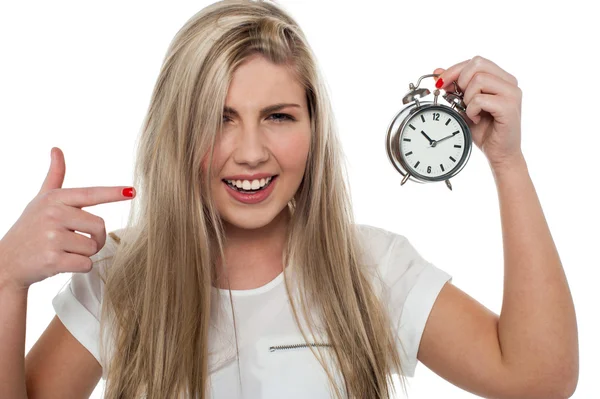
x: 429, y: 141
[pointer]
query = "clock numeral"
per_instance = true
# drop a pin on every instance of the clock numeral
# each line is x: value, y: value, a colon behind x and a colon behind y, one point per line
x: 406, y: 139
x: 408, y: 153
x: 456, y: 146
x: 448, y: 121
x: 442, y: 166
x: 453, y: 160
x: 417, y: 164
x: 412, y: 127
x: 422, y: 118
x: 436, y: 116
x: 429, y: 169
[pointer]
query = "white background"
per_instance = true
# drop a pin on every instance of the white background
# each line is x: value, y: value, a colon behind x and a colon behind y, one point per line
x: 79, y: 75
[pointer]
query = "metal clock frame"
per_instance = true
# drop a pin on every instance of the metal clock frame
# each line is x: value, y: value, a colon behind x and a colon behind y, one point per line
x: 401, y: 119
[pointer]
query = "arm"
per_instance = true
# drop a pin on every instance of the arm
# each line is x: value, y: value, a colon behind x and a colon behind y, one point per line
x: 13, y: 305
x: 538, y: 316
x: 57, y: 366
x: 531, y: 350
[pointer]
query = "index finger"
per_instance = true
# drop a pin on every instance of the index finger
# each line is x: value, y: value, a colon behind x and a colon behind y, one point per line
x: 80, y: 197
x: 464, y: 71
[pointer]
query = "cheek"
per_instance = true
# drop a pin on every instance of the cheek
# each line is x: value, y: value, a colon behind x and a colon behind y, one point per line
x: 216, y: 161
x: 293, y: 152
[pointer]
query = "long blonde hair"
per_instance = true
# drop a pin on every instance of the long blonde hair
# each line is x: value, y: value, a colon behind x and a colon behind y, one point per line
x: 157, y: 291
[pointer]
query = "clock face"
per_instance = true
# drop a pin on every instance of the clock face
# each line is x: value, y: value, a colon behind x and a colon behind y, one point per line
x: 432, y: 143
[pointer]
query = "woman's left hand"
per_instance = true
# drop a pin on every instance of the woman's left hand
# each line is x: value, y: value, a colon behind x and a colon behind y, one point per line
x: 493, y: 102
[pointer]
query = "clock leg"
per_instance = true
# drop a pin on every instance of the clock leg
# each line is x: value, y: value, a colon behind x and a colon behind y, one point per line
x: 448, y: 184
x: 406, y: 176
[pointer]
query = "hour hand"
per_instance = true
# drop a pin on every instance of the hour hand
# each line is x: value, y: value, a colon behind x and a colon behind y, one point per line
x: 427, y: 137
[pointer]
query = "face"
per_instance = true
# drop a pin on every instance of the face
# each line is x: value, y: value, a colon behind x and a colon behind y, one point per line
x: 262, y: 150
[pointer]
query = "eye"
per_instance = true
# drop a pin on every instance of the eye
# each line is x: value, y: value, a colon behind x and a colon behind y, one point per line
x: 279, y: 117
x: 283, y: 117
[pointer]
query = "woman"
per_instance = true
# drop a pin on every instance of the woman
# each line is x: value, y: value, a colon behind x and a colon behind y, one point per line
x: 241, y: 272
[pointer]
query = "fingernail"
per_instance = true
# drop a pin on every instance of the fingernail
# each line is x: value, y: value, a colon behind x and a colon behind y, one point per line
x: 439, y: 83
x: 128, y: 192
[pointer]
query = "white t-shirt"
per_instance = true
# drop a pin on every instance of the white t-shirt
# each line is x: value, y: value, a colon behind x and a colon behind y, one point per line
x: 409, y: 286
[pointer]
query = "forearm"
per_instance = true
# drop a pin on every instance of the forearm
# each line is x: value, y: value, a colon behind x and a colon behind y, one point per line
x: 537, y: 329
x: 13, y: 311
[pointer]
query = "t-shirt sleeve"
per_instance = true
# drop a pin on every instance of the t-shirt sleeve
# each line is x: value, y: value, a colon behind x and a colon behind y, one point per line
x: 410, y: 285
x: 415, y: 284
x: 78, y: 303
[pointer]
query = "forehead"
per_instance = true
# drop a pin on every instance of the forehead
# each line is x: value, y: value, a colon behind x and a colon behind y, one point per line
x: 258, y: 82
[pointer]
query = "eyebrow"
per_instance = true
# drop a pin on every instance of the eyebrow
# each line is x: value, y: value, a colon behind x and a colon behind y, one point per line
x: 265, y: 110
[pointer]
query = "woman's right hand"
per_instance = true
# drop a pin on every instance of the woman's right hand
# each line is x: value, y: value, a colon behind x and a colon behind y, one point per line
x: 43, y: 241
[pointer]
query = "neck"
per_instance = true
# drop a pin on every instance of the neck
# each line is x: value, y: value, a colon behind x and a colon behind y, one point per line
x: 253, y: 257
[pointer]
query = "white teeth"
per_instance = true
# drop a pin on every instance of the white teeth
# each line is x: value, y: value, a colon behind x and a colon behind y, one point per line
x: 250, y: 185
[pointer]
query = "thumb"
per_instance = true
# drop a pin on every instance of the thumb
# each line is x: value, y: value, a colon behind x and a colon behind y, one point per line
x: 438, y: 71
x: 56, y: 174
x: 440, y: 81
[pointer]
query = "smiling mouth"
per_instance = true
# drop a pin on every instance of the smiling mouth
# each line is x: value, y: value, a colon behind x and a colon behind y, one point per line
x: 268, y: 182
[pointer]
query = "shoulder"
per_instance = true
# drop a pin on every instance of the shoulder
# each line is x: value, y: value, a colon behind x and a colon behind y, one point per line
x: 380, y: 245
x: 374, y: 235
x: 408, y: 286
x: 90, y: 285
x: 394, y: 257
x: 78, y: 303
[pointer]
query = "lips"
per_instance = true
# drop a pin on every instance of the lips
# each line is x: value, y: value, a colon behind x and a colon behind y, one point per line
x: 256, y: 176
x: 252, y: 197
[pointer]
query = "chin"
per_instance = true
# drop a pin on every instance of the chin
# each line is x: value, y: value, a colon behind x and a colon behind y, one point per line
x: 250, y: 220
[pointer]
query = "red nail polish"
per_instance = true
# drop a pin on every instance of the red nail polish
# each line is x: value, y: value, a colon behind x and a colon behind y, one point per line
x: 128, y: 192
x: 439, y: 83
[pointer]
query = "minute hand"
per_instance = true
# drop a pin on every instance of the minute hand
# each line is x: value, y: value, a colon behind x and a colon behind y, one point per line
x: 447, y: 137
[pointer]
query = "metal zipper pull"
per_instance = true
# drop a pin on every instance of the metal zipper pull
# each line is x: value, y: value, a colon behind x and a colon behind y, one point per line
x: 295, y: 346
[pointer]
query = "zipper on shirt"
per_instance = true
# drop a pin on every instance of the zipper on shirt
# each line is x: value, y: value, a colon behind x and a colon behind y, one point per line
x: 295, y: 346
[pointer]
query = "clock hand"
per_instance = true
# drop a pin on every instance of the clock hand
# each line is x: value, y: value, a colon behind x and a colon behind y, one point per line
x: 427, y: 137
x: 447, y: 137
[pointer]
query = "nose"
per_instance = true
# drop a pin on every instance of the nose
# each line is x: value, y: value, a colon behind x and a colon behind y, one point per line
x: 250, y: 146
